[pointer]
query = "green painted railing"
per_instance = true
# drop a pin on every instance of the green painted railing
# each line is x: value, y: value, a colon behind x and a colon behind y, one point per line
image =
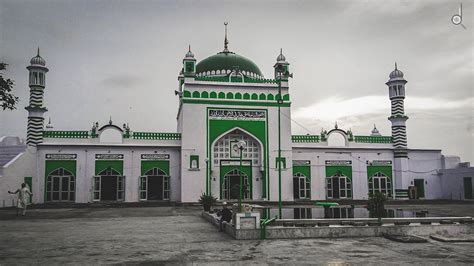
x: 156, y: 136
x: 235, y: 79
x: 305, y: 138
x: 373, y: 139
x: 66, y: 134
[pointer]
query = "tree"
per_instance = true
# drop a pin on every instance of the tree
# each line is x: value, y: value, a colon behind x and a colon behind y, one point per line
x: 7, y: 99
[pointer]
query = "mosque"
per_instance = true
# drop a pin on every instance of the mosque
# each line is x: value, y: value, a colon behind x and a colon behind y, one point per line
x: 232, y: 123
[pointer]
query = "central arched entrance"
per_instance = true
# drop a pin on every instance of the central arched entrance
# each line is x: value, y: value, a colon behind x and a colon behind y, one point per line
x: 228, y: 162
x: 231, y: 185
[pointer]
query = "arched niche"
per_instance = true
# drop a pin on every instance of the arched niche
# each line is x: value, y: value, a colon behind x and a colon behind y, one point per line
x: 337, y: 138
x: 110, y: 134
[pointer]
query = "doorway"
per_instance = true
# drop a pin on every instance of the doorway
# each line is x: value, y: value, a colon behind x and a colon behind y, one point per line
x: 467, y: 188
x: 231, y: 185
x: 109, y: 185
x: 420, y: 187
x: 60, y: 186
x: 154, y: 185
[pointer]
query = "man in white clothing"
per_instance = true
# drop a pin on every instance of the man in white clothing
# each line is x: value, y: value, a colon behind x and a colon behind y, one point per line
x: 23, y: 198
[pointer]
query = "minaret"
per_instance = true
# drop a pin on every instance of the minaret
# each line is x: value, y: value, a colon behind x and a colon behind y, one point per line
x: 281, y: 67
x: 396, y: 87
x: 37, y: 81
x: 189, y: 64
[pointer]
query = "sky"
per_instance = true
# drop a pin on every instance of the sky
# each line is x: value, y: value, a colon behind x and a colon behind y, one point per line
x: 122, y: 58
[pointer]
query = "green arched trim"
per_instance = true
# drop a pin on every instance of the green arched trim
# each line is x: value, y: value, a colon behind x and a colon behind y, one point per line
x: 254, y: 96
x: 221, y: 95
x: 262, y: 97
x: 196, y: 94
x: 160, y: 164
x: 52, y: 165
x: 286, y: 97
x: 117, y: 165
x: 187, y: 94
x: 230, y: 95
x: 246, y: 96
x: 270, y: 97
x: 303, y: 169
x: 238, y: 96
x: 204, y: 94
x: 385, y: 169
x: 246, y: 170
x: 213, y: 95
x: 341, y: 169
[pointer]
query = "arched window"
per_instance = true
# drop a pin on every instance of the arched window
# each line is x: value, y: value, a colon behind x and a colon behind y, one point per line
x: 381, y: 183
x: 338, y: 186
x: 60, y: 185
x: 301, y: 186
x: 223, y: 148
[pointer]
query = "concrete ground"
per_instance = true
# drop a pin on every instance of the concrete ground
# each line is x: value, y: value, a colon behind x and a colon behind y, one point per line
x: 178, y: 235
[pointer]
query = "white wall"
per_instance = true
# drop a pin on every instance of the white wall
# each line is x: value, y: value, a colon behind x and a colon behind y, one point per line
x: 85, y: 168
x: 13, y: 175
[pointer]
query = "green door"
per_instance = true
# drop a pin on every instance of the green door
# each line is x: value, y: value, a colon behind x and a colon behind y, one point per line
x: 420, y: 187
x: 467, y: 188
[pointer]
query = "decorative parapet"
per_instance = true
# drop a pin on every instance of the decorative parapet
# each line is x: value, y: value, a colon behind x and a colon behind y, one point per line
x: 236, y: 79
x: 373, y: 139
x: 156, y: 136
x: 66, y: 134
x: 305, y: 138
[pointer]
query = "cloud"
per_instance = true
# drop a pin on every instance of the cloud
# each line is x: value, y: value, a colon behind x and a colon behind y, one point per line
x: 121, y: 81
x: 336, y: 108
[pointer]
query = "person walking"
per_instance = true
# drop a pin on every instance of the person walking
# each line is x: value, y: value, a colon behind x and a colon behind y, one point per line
x: 23, y: 197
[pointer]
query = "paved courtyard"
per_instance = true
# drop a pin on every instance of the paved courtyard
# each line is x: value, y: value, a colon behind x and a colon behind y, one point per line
x: 178, y: 235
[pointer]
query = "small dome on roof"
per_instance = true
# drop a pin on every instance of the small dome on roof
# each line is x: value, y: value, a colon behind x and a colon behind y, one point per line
x: 281, y: 57
x: 38, y: 60
x: 396, y: 73
x: 375, y: 132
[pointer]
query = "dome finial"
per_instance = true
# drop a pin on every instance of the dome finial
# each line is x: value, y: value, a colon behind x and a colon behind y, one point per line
x: 189, y: 53
x: 38, y: 51
x: 396, y: 66
x: 226, y: 42
x: 281, y: 57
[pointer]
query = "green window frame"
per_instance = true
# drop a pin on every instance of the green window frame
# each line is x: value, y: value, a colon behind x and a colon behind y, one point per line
x: 194, y: 162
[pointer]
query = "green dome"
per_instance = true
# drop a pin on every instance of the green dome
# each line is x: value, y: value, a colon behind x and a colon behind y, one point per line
x: 226, y: 61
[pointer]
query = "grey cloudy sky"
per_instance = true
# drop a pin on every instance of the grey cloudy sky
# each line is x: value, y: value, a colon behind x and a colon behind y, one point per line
x: 122, y: 58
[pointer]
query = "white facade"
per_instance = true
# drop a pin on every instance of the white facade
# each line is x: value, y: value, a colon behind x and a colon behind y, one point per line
x: 223, y: 100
